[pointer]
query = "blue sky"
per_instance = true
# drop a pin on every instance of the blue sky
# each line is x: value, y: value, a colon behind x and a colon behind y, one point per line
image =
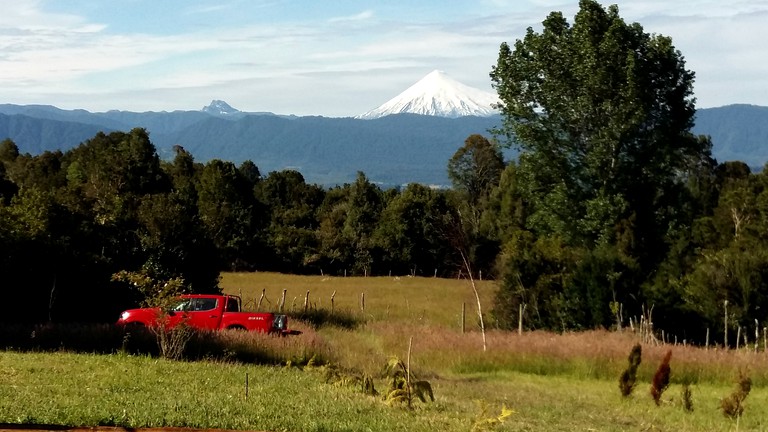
x: 336, y: 58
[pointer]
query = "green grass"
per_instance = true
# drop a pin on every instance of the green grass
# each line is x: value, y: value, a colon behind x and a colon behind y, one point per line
x: 78, y: 390
x: 553, y: 382
x: 136, y: 391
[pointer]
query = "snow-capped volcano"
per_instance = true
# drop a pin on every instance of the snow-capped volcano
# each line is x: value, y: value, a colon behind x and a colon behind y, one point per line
x: 437, y: 94
x: 219, y: 108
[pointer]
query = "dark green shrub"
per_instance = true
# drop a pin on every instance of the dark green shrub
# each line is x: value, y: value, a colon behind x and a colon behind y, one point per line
x: 687, y: 397
x: 629, y: 376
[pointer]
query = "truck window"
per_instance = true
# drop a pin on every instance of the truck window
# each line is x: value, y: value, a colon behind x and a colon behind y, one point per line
x: 232, y: 305
x: 203, y: 304
x: 183, y: 305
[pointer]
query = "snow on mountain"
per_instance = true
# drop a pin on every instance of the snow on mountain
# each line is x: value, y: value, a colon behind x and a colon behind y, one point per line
x: 437, y: 94
x: 219, y: 108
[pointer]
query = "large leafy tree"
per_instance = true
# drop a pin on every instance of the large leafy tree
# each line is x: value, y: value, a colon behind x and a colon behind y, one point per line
x: 292, y: 206
x: 110, y: 173
x: 348, y: 217
x: 226, y: 205
x: 475, y: 170
x: 410, y: 232
x: 601, y: 112
x: 476, y: 167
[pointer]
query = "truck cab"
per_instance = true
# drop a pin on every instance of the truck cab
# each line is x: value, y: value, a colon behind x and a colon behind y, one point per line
x: 202, y: 312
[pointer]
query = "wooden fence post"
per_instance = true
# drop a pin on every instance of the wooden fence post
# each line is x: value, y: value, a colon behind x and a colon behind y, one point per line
x: 725, y: 323
x: 282, y: 301
x: 362, y: 302
x: 706, y: 341
x: 258, y: 307
x: 306, y: 302
x: 765, y: 339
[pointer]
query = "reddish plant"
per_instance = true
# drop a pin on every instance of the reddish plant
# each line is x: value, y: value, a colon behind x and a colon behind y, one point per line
x: 661, y: 378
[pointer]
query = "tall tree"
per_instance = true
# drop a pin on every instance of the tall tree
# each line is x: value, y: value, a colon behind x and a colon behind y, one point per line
x: 348, y: 217
x: 476, y: 167
x: 225, y: 204
x: 113, y: 171
x: 601, y: 112
x: 475, y: 170
x: 410, y: 233
x: 292, y: 206
x: 9, y: 151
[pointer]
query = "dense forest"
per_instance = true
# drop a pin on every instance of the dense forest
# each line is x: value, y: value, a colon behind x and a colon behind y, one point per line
x: 613, y: 210
x: 71, y: 222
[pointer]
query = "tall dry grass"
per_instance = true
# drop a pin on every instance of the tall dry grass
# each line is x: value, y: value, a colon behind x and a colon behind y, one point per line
x: 429, y: 309
x: 597, y: 354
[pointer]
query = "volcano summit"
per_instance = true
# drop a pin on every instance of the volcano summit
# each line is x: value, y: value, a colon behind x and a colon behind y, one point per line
x: 437, y: 94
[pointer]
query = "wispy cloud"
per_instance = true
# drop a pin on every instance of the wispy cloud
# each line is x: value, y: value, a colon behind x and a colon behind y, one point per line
x: 362, y: 16
x: 208, y: 9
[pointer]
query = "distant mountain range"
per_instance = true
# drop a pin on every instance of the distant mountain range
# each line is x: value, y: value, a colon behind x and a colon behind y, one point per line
x: 391, y: 149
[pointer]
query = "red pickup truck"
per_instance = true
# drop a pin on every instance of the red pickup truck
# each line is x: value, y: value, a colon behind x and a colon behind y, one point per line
x: 209, y: 312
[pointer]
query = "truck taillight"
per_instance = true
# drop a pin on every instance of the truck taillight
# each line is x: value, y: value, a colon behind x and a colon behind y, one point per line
x: 280, y: 322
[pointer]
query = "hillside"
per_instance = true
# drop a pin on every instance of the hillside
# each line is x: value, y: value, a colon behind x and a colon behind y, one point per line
x: 37, y: 135
x: 391, y: 150
x: 739, y: 132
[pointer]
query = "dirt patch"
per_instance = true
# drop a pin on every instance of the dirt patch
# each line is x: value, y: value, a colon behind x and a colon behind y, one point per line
x: 57, y: 428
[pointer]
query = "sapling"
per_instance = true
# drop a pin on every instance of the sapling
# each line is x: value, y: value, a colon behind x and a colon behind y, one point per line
x: 687, y: 396
x: 403, y: 388
x: 733, y: 405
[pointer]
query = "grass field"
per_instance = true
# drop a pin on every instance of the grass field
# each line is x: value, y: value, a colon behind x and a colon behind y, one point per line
x: 553, y: 382
x: 429, y: 301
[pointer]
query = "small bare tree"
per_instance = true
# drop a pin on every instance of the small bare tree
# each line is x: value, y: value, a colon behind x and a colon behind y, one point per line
x: 171, y: 340
x: 457, y: 235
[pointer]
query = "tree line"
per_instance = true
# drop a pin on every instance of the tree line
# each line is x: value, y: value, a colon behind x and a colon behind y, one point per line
x: 613, y: 211
x: 70, y: 222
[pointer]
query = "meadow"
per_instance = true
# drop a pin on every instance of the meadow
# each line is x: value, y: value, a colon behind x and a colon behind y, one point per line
x: 550, y: 381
